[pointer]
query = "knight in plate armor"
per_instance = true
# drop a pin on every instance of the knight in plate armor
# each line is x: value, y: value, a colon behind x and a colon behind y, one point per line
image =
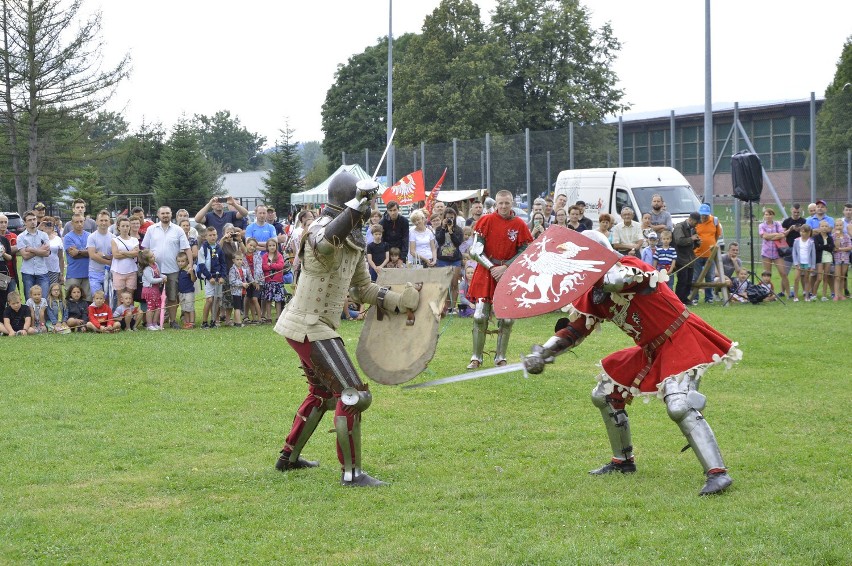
x: 499, y: 238
x: 333, y: 264
x: 674, y: 348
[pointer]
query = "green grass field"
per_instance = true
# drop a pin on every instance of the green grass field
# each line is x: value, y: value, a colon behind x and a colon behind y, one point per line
x: 158, y: 447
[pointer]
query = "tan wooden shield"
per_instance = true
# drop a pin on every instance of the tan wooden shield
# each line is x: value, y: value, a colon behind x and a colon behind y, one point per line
x: 391, y: 352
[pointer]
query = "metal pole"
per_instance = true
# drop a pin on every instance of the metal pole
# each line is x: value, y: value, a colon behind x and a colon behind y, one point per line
x: 391, y: 157
x: 529, y: 169
x: 367, y: 159
x: 708, y: 111
x: 672, y: 140
x: 570, y: 146
x: 423, y: 158
x: 482, y: 169
x: 413, y: 159
x: 549, y: 186
x: 813, y: 147
x: 488, y: 161
x: 735, y: 147
x: 621, y: 141
x: 455, y: 164
x: 343, y: 157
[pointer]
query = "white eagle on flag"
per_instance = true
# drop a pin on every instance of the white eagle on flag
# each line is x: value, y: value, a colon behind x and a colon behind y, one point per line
x: 550, y: 269
x: 405, y: 188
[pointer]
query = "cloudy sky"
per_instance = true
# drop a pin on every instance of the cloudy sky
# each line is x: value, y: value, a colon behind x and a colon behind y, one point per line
x: 269, y: 61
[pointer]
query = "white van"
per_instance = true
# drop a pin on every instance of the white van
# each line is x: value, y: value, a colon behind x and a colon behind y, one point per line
x: 610, y: 189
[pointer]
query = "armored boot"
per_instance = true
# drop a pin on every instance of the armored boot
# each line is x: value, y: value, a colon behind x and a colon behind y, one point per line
x: 684, y: 404
x: 504, y: 330
x: 307, y: 418
x: 481, y: 314
x: 618, y: 430
x: 348, y: 430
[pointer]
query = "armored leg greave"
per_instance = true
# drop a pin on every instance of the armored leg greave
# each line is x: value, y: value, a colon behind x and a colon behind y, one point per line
x: 308, y: 416
x: 348, y: 429
x: 504, y: 330
x: 616, y: 422
x: 480, y: 327
x: 684, y: 405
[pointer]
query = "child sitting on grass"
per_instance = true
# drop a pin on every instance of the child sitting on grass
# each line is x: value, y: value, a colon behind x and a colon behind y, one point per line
x: 37, y: 306
x: 17, y: 317
x: 78, y: 309
x: 127, y: 313
x: 100, y: 315
x: 56, y: 313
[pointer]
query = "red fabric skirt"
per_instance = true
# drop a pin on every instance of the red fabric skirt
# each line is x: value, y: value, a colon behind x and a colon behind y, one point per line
x: 694, y: 344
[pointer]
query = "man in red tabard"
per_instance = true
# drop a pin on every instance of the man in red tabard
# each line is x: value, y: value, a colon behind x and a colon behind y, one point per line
x: 674, y: 348
x: 499, y: 238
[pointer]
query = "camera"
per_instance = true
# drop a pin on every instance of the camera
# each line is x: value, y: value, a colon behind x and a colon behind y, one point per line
x: 222, y: 199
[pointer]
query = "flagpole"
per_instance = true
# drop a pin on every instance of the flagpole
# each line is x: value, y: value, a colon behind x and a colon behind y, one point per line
x: 390, y: 130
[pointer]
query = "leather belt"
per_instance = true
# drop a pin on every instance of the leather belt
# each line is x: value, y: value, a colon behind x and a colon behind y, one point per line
x: 677, y: 323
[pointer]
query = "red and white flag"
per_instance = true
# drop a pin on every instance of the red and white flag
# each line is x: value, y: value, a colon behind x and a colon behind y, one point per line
x: 433, y: 194
x: 408, y: 190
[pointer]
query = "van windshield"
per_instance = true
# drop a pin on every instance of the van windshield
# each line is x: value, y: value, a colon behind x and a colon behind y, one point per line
x: 678, y: 199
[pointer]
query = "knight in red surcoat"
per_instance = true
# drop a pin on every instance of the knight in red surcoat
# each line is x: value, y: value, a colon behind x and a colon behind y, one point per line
x: 674, y: 348
x: 499, y: 238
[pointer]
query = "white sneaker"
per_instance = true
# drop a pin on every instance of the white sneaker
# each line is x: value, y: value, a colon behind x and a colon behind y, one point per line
x: 824, y: 299
x: 153, y: 327
x: 796, y: 299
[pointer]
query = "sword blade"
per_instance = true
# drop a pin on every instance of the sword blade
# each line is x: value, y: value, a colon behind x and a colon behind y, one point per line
x: 470, y: 375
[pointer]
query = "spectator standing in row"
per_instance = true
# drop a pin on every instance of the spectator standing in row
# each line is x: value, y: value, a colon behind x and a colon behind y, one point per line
x: 685, y: 240
x: 804, y: 262
x: 181, y: 215
x: 260, y: 229
x: 79, y: 207
x: 824, y: 244
x: 11, y: 250
x: 586, y: 222
x: 166, y: 240
x: 448, y: 240
x: 627, y: 236
x: 214, y: 214
x: 709, y: 230
x: 475, y: 213
x: 661, y: 219
x: 56, y: 259
x: 211, y: 268
x: 773, y: 236
x: 377, y: 252
x: 34, y: 247
x: 665, y: 257
x: 395, y: 227
x: 791, y: 226
x: 422, y: 247
x: 139, y: 213
x: 5, y: 257
x: 842, y: 247
x: 574, y: 218
x: 99, y: 246
x: 125, y: 250
x: 77, y: 251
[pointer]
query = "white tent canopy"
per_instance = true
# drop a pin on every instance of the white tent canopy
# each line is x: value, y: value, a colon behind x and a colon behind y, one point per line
x: 456, y: 196
x: 319, y: 194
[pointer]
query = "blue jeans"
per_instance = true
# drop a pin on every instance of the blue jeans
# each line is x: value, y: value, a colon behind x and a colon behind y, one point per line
x: 696, y: 271
x: 29, y: 280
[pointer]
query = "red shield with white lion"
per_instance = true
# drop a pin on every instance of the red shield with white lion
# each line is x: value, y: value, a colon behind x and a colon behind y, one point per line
x: 555, y: 270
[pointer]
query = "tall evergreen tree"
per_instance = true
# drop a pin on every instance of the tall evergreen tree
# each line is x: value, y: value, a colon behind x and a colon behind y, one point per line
x: 186, y: 178
x: 285, y: 177
x: 89, y: 188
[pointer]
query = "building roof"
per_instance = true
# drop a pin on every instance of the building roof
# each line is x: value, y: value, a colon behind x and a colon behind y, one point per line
x: 718, y: 108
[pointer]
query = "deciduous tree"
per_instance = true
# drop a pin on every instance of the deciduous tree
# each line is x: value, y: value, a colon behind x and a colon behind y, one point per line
x: 227, y: 141
x: 834, y: 124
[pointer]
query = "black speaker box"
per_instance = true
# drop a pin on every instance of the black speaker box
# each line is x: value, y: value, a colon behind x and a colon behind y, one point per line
x: 746, y: 176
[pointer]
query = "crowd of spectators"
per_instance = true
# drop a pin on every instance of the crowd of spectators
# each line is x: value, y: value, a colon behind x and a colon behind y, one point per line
x: 101, y: 275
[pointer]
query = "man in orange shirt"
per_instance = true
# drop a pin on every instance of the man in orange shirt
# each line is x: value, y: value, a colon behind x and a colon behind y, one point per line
x: 710, y: 231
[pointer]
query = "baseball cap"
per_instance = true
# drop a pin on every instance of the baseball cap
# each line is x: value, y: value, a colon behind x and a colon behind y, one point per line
x: 822, y: 202
x: 580, y: 203
x: 39, y: 206
x: 652, y: 236
x: 704, y: 209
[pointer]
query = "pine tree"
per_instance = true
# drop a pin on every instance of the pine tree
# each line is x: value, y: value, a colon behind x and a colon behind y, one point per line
x: 285, y: 178
x: 88, y: 188
x: 186, y: 178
